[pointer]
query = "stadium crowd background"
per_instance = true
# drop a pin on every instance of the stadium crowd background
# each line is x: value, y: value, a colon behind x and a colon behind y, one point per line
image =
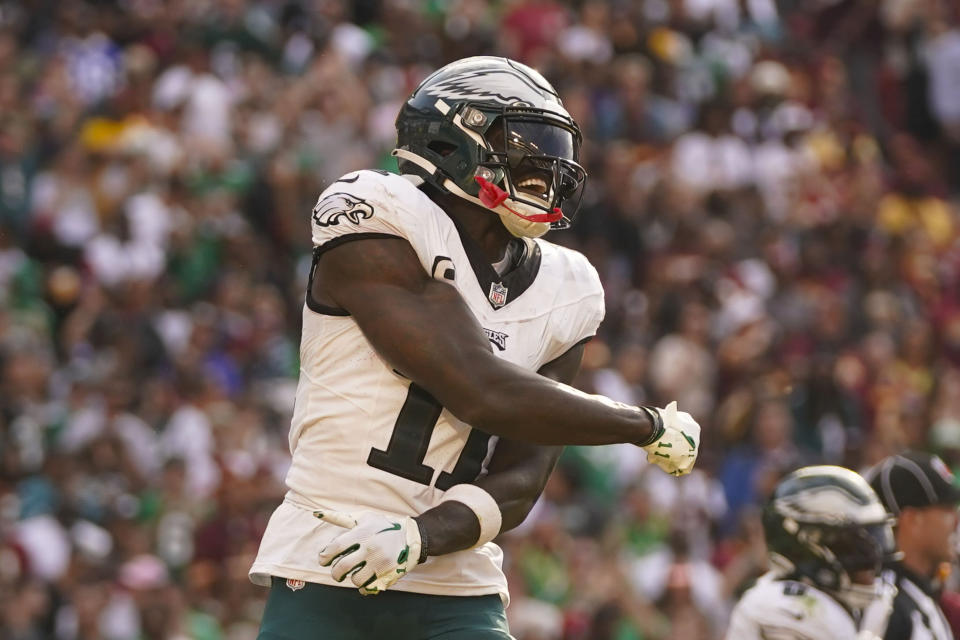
x: 772, y: 210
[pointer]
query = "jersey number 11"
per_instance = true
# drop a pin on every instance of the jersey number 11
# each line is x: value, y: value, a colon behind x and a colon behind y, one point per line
x: 410, y: 438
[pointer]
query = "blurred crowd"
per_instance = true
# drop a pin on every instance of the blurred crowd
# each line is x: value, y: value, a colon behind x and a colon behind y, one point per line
x: 772, y: 208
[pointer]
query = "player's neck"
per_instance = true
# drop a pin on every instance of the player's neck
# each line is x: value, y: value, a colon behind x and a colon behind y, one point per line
x: 483, y: 226
x: 486, y: 230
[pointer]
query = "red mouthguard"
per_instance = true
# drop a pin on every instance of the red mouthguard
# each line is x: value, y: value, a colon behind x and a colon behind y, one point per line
x: 493, y: 196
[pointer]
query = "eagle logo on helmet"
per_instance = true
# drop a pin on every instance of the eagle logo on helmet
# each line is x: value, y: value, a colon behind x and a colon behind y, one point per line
x: 338, y: 206
x: 502, y: 86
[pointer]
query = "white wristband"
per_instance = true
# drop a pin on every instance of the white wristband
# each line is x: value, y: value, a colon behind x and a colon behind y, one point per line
x: 483, y: 505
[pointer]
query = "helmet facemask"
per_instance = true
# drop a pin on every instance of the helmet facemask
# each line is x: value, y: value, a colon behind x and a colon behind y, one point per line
x: 519, y: 162
x: 528, y: 171
x: 831, y: 555
x: 846, y: 551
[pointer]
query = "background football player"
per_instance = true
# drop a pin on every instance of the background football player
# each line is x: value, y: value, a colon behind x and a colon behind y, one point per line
x: 827, y: 536
x: 437, y: 334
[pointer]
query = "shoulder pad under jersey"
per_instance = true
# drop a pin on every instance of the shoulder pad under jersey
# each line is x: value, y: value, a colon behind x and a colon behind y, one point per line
x: 579, y: 295
x: 788, y: 610
x: 372, y: 203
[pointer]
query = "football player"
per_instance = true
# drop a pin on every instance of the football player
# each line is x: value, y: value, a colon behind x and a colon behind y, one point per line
x: 439, y: 333
x: 827, y: 536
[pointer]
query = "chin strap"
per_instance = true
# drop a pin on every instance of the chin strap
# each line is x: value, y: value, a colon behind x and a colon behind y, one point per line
x: 493, y: 196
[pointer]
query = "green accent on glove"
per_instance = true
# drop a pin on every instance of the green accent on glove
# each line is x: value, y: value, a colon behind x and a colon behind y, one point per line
x: 349, y: 549
x: 662, y: 455
x: 360, y: 565
x: 395, y: 527
x: 666, y: 445
x: 403, y: 555
x: 690, y: 441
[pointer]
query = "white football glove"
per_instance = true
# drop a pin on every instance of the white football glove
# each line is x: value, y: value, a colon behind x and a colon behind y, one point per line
x: 375, y: 551
x: 675, y: 451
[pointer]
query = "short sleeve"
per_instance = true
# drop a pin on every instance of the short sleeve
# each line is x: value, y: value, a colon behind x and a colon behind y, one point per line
x: 591, y: 308
x: 358, y: 205
x: 590, y: 318
x: 586, y: 321
x: 579, y: 319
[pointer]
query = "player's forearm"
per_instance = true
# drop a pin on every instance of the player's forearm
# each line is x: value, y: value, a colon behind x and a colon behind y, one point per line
x: 517, y: 476
x: 450, y: 526
x: 538, y: 410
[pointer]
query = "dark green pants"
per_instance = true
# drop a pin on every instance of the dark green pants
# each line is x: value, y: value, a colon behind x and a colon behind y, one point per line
x: 319, y: 612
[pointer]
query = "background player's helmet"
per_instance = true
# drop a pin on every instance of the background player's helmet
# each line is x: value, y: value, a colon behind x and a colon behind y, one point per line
x: 825, y: 523
x: 494, y: 132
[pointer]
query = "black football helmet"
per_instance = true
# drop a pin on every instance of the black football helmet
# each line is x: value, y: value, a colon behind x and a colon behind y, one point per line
x: 825, y: 523
x: 494, y: 132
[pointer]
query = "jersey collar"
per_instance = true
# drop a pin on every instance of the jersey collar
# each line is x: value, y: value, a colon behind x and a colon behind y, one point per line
x: 500, y: 290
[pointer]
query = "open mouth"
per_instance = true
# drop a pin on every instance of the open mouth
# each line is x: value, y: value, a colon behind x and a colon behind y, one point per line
x: 534, y: 185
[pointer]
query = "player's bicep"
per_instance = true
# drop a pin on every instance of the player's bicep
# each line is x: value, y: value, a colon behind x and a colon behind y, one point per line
x: 420, y: 326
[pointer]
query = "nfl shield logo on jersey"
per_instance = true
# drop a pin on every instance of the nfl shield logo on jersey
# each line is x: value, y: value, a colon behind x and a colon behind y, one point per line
x: 295, y: 585
x: 498, y: 295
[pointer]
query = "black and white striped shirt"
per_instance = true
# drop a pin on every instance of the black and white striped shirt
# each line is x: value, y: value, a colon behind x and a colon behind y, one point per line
x: 916, y: 613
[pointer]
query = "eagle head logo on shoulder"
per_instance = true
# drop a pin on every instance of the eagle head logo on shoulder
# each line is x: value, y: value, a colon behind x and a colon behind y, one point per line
x: 339, y: 206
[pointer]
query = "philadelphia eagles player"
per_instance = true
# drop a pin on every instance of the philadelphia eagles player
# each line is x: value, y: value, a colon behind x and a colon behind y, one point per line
x: 438, y: 333
x: 827, y: 535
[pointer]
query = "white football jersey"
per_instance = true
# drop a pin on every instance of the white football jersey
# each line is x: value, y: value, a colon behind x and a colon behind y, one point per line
x: 362, y: 436
x: 777, y: 609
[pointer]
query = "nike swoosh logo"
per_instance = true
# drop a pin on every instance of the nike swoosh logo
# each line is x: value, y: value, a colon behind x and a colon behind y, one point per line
x: 395, y: 527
